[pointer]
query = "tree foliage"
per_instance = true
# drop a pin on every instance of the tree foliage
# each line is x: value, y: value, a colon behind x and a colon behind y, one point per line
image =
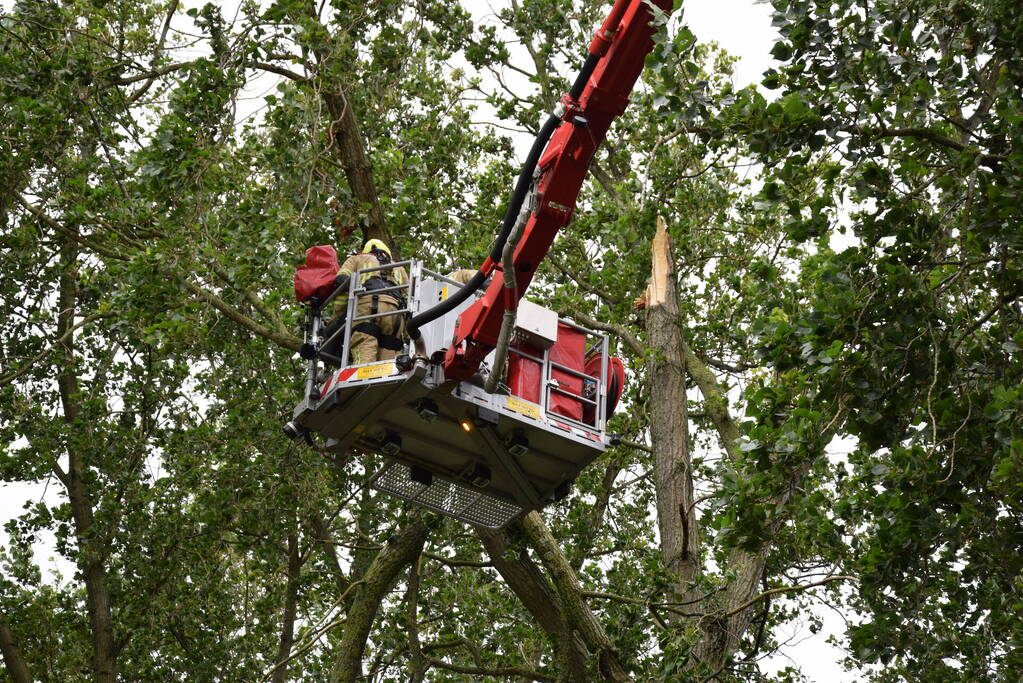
x: 827, y: 408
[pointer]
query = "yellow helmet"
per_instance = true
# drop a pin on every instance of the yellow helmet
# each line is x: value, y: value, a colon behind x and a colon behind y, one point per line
x: 376, y: 245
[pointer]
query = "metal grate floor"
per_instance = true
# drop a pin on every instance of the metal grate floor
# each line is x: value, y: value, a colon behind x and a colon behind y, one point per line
x: 449, y: 498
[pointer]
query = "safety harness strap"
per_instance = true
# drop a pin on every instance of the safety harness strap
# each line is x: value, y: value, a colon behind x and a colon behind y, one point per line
x: 378, y: 282
x: 385, y: 341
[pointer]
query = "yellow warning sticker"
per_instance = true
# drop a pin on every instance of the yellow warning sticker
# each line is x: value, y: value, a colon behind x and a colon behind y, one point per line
x: 443, y: 293
x: 524, y: 407
x: 374, y: 371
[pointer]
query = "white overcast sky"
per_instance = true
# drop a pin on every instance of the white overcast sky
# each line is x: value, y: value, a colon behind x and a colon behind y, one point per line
x: 741, y: 27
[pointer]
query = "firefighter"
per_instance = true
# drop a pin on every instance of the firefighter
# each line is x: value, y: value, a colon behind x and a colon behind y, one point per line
x: 377, y: 338
x: 462, y: 275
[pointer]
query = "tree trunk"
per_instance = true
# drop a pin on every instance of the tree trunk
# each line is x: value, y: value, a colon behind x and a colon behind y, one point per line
x: 534, y: 591
x: 669, y: 419
x: 593, y: 529
x: 15, y: 663
x: 345, y: 136
x: 573, y: 604
x: 290, y: 607
x: 417, y: 664
x: 722, y: 633
x: 399, y: 553
x: 321, y: 536
x: 90, y: 552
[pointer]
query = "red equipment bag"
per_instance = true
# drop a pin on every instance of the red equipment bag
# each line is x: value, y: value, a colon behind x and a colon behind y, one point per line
x: 316, y: 277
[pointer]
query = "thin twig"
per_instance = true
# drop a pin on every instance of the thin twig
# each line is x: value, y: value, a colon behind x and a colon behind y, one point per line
x: 786, y: 589
x: 10, y: 377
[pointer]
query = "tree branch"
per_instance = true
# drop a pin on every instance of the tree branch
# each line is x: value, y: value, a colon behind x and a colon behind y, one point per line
x: 606, y: 183
x: 15, y: 663
x: 990, y: 160
x: 650, y: 606
x: 253, y: 300
x: 619, y: 331
x: 455, y: 562
x: 313, y: 636
x: 575, y: 608
x: 275, y: 69
x: 148, y: 76
x: 345, y: 135
x: 596, y: 522
x: 787, y: 589
x: 502, y: 672
x: 535, y: 592
x: 68, y: 232
x: 397, y: 554
x: 321, y: 534
x: 91, y: 551
x: 585, y: 286
x: 412, y: 606
x: 715, y: 401
x: 290, y: 604
x: 638, y: 446
x: 285, y: 341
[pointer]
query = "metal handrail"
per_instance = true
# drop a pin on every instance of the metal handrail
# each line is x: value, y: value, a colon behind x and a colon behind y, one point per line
x: 381, y: 290
x: 445, y: 278
x: 355, y: 293
x: 598, y: 400
x: 385, y: 266
x: 599, y: 397
x: 580, y: 375
x: 358, y: 291
x: 578, y: 397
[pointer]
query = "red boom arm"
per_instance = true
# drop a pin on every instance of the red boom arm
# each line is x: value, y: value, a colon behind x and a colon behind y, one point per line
x: 622, y: 42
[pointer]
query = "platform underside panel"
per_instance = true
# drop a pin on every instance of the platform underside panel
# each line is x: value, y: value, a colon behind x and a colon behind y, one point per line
x: 443, y: 446
x: 370, y: 415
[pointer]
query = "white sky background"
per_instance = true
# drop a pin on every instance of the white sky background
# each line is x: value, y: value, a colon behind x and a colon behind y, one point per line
x: 743, y: 29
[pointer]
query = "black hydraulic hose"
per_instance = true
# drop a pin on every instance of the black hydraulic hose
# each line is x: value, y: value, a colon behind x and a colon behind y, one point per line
x: 584, y: 75
x: 521, y: 187
x: 512, y: 212
x: 444, y: 307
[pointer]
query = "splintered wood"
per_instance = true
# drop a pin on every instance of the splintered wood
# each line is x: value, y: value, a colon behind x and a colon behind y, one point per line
x: 660, y: 271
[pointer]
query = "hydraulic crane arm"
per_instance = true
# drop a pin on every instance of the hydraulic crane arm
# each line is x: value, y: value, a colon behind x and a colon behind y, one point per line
x: 575, y: 130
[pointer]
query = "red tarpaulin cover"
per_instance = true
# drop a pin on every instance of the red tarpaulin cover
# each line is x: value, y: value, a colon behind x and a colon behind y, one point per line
x: 568, y: 351
x: 316, y: 277
x: 524, y: 375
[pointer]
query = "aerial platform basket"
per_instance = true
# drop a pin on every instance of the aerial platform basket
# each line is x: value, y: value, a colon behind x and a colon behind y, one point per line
x: 450, y: 446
